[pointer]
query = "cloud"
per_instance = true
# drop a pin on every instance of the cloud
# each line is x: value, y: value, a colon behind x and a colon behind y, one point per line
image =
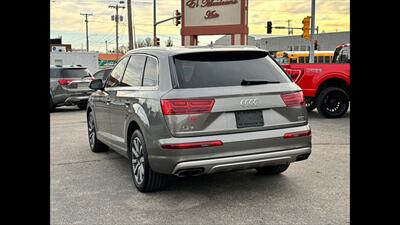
x: 65, y: 17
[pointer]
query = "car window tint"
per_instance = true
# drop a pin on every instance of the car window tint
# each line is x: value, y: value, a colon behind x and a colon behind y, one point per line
x: 117, y: 73
x: 220, y: 69
x: 150, y: 75
x: 134, y: 71
x: 55, y: 73
x: 99, y: 75
x: 74, y: 73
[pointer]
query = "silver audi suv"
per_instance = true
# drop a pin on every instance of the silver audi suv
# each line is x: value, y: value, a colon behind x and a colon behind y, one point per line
x: 199, y: 110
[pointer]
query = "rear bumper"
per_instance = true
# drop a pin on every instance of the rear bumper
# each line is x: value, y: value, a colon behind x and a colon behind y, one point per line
x: 239, y: 151
x: 73, y: 100
x: 208, y: 166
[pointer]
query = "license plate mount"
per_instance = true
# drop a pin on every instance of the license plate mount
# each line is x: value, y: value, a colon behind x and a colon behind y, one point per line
x: 249, y: 118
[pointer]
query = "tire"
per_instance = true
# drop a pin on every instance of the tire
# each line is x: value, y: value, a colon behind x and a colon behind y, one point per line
x: 94, y: 143
x: 51, y: 105
x: 332, y: 102
x: 272, y: 170
x: 144, y: 178
x: 310, y: 105
x: 82, y: 106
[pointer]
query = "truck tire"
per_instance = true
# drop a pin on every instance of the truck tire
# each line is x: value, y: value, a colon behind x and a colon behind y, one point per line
x: 332, y: 102
x: 94, y: 143
x: 272, y: 170
x: 144, y: 178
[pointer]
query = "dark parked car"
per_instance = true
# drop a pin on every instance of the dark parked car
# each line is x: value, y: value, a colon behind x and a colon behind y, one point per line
x: 194, y: 111
x: 69, y: 85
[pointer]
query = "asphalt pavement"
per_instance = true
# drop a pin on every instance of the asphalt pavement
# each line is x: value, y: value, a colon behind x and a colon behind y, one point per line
x: 90, y: 188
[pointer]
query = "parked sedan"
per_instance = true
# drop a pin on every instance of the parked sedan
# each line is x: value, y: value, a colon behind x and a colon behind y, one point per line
x: 194, y: 111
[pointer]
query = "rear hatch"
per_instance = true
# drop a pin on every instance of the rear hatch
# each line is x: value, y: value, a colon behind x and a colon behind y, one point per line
x: 230, y: 92
x: 76, y: 79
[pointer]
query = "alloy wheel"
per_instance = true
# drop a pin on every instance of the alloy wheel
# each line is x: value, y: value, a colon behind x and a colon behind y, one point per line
x: 137, y: 160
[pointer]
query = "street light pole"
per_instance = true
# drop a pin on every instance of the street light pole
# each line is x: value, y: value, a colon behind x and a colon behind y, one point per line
x: 312, y: 31
x: 154, y: 23
x: 130, y: 24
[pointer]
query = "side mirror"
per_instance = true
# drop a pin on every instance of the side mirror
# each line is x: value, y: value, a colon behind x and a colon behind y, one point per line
x: 96, y: 84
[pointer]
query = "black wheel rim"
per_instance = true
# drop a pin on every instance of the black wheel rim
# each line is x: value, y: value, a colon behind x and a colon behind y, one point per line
x: 335, y: 102
x: 91, y: 131
x: 137, y: 160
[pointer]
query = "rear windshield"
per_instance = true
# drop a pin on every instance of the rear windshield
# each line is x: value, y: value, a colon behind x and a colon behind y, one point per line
x: 219, y: 69
x: 73, y: 73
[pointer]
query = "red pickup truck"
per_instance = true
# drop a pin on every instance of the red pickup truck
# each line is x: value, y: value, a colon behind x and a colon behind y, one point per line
x: 325, y: 86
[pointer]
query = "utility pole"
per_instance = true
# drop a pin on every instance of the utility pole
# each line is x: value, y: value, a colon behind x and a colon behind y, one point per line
x: 106, y: 48
x: 87, y: 29
x: 154, y: 23
x: 289, y: 30
x: 117, y: 18
x: 130, y: 25
x: 312, y: 31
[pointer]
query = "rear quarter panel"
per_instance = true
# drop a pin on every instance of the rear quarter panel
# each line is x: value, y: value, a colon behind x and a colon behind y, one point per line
x: 315, y: 74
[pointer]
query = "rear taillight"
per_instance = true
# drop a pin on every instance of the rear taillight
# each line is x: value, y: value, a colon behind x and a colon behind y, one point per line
x: 64, y: 82
x: 186, y: 106
x: 297, y: 134
x: 193, y: 145
x: 295, y: 74
x: 293, y: 99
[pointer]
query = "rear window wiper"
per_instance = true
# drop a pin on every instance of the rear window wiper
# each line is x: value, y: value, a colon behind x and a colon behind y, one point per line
x: 257, y: 82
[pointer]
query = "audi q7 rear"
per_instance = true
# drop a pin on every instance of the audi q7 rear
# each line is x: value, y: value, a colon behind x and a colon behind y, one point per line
x: 211, y: 110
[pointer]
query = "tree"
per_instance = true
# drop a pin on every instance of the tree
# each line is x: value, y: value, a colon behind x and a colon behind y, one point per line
x: 148, y: 41
x: 169, y: 42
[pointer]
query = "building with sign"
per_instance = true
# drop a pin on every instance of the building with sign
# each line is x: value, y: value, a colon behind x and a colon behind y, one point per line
x: 212, y: 17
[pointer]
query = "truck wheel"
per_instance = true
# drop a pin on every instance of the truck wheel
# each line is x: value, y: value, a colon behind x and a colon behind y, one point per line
x: 94, y: 143
x: 332, y: 102
x: 272, y: 170
x: 144, y: 178
x: 310, y: 105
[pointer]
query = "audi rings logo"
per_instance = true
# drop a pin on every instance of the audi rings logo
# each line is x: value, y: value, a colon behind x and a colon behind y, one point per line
x: 250, y: 102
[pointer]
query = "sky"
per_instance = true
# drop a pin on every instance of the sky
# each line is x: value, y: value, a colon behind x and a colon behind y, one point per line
x: 66, y: 21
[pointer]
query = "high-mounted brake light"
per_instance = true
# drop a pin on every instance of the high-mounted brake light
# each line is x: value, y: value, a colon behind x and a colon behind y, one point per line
x: 297, y: 134
x: 293, y: 99
x: 186, y: 106
x: 193, y: 145
x: 64, y: 82
x: 295, y: 74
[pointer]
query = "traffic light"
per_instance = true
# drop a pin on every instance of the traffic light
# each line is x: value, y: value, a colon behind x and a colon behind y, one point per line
x: 269, y: 27
x: 158, y: 42
x: 306, y: 28
x: 315, y: 45
x: 177, y: 20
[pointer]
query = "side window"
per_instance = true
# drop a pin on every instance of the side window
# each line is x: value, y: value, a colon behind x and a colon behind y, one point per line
x: 99, y: 75
x: 150, y: 76
x: 320, y: 59
x: 293, y: 60
x: 327, y: 59
x: 117, y: 73
x: 301, y: 59
x: 134, y: 71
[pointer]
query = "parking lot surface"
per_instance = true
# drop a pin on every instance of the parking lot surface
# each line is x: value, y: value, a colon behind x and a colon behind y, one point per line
x: 90, y: 188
